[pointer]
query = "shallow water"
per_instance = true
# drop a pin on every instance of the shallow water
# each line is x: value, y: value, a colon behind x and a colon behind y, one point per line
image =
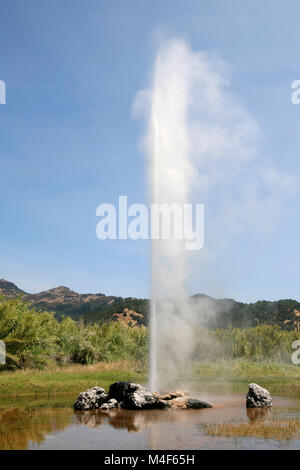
x: 226, y: 426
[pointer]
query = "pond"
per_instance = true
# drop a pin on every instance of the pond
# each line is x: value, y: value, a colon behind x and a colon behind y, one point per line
x: 45, y: 424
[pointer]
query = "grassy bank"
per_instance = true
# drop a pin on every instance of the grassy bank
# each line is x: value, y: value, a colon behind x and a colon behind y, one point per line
x: 240, y: 368
x: 212, y: 377
x: 235, y: 375
x: 65, y: 380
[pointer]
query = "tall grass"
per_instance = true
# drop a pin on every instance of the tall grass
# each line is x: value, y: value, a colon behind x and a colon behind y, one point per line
x: 37, y: 339
x: 260, y: 343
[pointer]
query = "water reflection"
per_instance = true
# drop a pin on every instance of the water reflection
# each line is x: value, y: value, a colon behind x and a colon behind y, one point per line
x: 19, y: 427
x: 259, y: 414
x: 227, y: 425
x: 132, y: 421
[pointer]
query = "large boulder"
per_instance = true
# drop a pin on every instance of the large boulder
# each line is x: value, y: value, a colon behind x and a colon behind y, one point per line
x: 258, y: 397
x: 133, y: 396
x: 139, y: 398
x: 91, y: 399
x: 118, y: 390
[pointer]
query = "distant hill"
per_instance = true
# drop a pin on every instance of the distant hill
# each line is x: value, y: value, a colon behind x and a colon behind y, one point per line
x: 89, y: 307
x: 9, y: 289
x: 214, y: 313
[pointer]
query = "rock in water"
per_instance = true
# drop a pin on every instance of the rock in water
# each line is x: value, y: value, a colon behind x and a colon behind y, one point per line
x: 91, y: 399
x: 172, y: 395
x: 109, y: 405
x: 258, y: 397
x: 133, y: 396
x: 196, y: 404
x: 139, y: 398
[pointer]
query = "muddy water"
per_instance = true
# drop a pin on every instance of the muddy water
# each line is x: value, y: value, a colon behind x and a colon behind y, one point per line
x: 226, y: 426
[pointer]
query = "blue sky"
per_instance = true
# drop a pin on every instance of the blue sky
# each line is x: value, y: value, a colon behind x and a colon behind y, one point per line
x: 68, y: 142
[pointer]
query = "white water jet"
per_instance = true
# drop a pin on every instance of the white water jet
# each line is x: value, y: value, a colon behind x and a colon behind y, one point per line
x: 168, y: 146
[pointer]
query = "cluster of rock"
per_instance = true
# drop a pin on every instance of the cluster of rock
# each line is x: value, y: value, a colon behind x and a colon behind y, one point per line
x: 133, y: 396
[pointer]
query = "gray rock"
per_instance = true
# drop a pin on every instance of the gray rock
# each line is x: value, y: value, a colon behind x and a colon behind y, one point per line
x: 138, y: 397
x: 91, y: 399
x: 133, y: 396
x: 109, y: 405
x: 196, y: 404
x: 258, y: 397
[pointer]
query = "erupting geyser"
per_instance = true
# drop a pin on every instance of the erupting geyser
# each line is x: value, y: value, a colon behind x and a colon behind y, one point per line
x: 171, y: 176
x: 200, y: 143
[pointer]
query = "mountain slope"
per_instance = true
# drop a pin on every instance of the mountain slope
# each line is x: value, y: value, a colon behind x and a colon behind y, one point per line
x: 61, y: 300
x: 9, y: 289
x: 214, y: 313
